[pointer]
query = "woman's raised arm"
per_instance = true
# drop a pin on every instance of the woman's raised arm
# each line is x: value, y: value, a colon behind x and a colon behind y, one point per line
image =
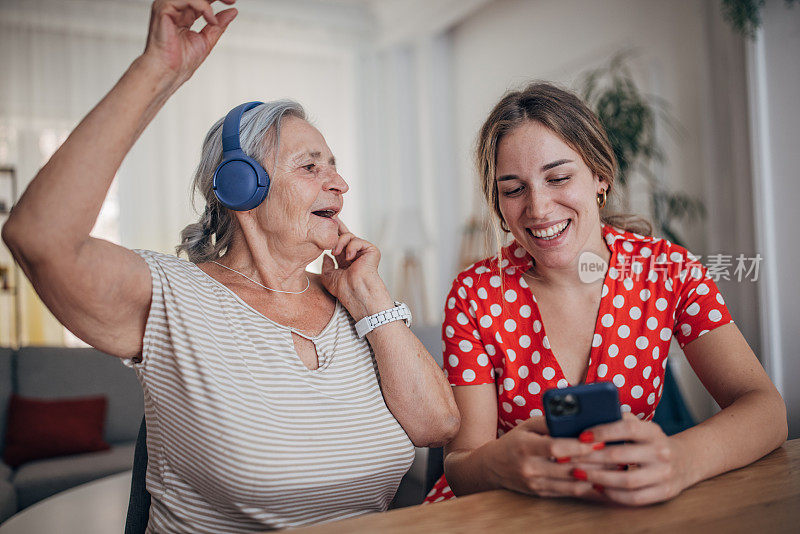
x: 98, y: 290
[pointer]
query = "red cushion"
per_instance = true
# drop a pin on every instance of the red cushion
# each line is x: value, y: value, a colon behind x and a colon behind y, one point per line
x: 41, y: 428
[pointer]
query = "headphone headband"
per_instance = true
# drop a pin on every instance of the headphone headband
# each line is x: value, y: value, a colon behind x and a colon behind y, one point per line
x: 230, y: 128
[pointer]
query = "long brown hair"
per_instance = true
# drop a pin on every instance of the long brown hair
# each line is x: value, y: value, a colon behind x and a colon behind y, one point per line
x: 568, y: 117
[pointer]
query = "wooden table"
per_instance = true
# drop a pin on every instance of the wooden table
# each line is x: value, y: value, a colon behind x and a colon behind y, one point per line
x: 762, y: 497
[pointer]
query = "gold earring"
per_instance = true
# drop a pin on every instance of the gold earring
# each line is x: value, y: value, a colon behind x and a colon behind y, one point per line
x: 602, y: 198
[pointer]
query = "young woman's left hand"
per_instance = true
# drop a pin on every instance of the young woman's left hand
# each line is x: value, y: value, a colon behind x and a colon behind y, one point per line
x: 356, y: 282
x: 656, y: 463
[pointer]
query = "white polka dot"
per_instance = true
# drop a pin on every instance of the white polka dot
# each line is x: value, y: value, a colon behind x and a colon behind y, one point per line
x: 714, y: 315
x: 637, y: 392
x: 511, y: 295
x: 666, y: 334
x: 548, y: 373
x: 494, y: 281
x: 523, y: 371
x: 481, y: 269
x: 652, y: 323
x: 498, y: 338
x: 623, y: 331
x: 462, y: 292
x: 519, y: 400
x: 656, y: 381
x: 703, y: 332
x: 720, y: 299
x: 651, y: 399
x: 507, y: 407
x: 504, y: 263
x: 635, y: 313
x: 645, y: 252
x: 483, y: 360
x: 618, y: 301
x: 537, y: 325
x: 686, y: 329
x: 519, y: 252
x: 468, y: 281
x: 607, y: 320
x: 613, y: 273
x: 597, y: 340
x: 630, y: 361
x: 482, y: 293
x: 676, y: 257
x: 646, y: 372
x: 508, y: 383
x: 536, y: 357
x: 668, y: 284
x: 619, y: 380
x: 525, y: 342
x: 644, y: 294
x: 468, y: 375
x: 534, y: 388
x: 511, y: 355
x: 486, y: 321
x: 545, y: 342
x: 637, y: 268
x: 697, y: 273
x: 625, y: 408
x: 605, y: 291
x: 693, y: 309
x: 602, y: 369
x: 641, y: 342
x: 702, y: 289
x: 627, y: 246
x: 664, y: 363
x: 524, y: 284
x: 661, y: 304
x: 652, y: 277
x: 452, y: 360
x: 536, y: 412
x: 490, y: 350
x: 613, y: 350
x: 495, y: 309
x: 462, y: 318
x: 465, y: 345
x: 449, y: 331
x: 628, y: 284
x: 562, y: 383
x: 451, y: 303
x: 510, y: 325
x: 525, y: 311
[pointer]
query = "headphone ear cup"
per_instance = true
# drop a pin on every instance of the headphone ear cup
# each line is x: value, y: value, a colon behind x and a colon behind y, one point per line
x: 241, y: 183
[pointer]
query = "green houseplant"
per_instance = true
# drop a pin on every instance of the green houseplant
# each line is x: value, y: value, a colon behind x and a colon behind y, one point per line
x: 629, y: 117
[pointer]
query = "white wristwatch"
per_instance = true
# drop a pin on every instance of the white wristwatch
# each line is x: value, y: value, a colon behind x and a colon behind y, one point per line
x: 371, y: 322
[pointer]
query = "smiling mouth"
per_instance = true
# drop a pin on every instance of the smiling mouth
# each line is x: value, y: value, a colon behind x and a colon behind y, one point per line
x: 546, y: 234
x: 326, y: 214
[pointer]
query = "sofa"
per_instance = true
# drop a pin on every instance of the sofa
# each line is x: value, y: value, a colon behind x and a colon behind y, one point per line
x: 60, y: 373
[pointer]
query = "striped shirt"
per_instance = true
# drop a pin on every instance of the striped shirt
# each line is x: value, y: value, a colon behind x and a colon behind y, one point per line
x: 241, y: 436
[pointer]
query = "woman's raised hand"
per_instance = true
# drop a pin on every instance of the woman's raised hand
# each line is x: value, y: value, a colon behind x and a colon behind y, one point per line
x: 172, y: 42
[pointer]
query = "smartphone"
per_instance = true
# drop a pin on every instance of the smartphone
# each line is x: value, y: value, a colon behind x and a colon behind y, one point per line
x: 571, y: 410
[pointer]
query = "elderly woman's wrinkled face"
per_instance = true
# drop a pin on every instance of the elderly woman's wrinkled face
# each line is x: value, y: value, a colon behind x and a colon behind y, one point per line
x: 305, y: 195
x: 547, y: 195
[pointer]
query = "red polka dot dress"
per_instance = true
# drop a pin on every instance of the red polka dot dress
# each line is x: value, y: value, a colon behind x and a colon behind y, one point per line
x: 493, y: 333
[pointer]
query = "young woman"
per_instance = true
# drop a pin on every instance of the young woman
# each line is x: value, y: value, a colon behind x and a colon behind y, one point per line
x: 525, y: 321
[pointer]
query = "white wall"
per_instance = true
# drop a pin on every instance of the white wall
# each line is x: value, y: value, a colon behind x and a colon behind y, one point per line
x: 774, y: 70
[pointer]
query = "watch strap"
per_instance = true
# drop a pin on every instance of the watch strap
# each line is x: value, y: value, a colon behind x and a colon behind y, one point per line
x: 400, y: 312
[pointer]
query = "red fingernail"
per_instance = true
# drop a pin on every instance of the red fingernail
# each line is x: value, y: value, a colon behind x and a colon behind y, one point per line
x: 563, y: 459
x: 579, y: 474
x: 586, y: 437
x: 598, y: 488
x: 599, y: 446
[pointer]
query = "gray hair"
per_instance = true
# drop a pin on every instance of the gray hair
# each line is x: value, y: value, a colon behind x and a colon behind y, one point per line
x: 209, y: 237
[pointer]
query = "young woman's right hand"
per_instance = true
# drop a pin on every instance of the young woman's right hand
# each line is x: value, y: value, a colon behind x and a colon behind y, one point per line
x: 527, y: 460
x: 172, y: 43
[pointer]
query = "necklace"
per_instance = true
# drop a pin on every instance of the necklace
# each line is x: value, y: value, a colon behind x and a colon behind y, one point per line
x: 308, y: 281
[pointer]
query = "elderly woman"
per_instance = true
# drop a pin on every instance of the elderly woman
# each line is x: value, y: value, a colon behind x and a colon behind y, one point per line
x: 264, y: 406
x: 526, y: 321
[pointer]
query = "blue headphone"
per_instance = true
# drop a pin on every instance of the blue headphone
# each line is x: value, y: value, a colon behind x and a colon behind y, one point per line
x: 240, y: 182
